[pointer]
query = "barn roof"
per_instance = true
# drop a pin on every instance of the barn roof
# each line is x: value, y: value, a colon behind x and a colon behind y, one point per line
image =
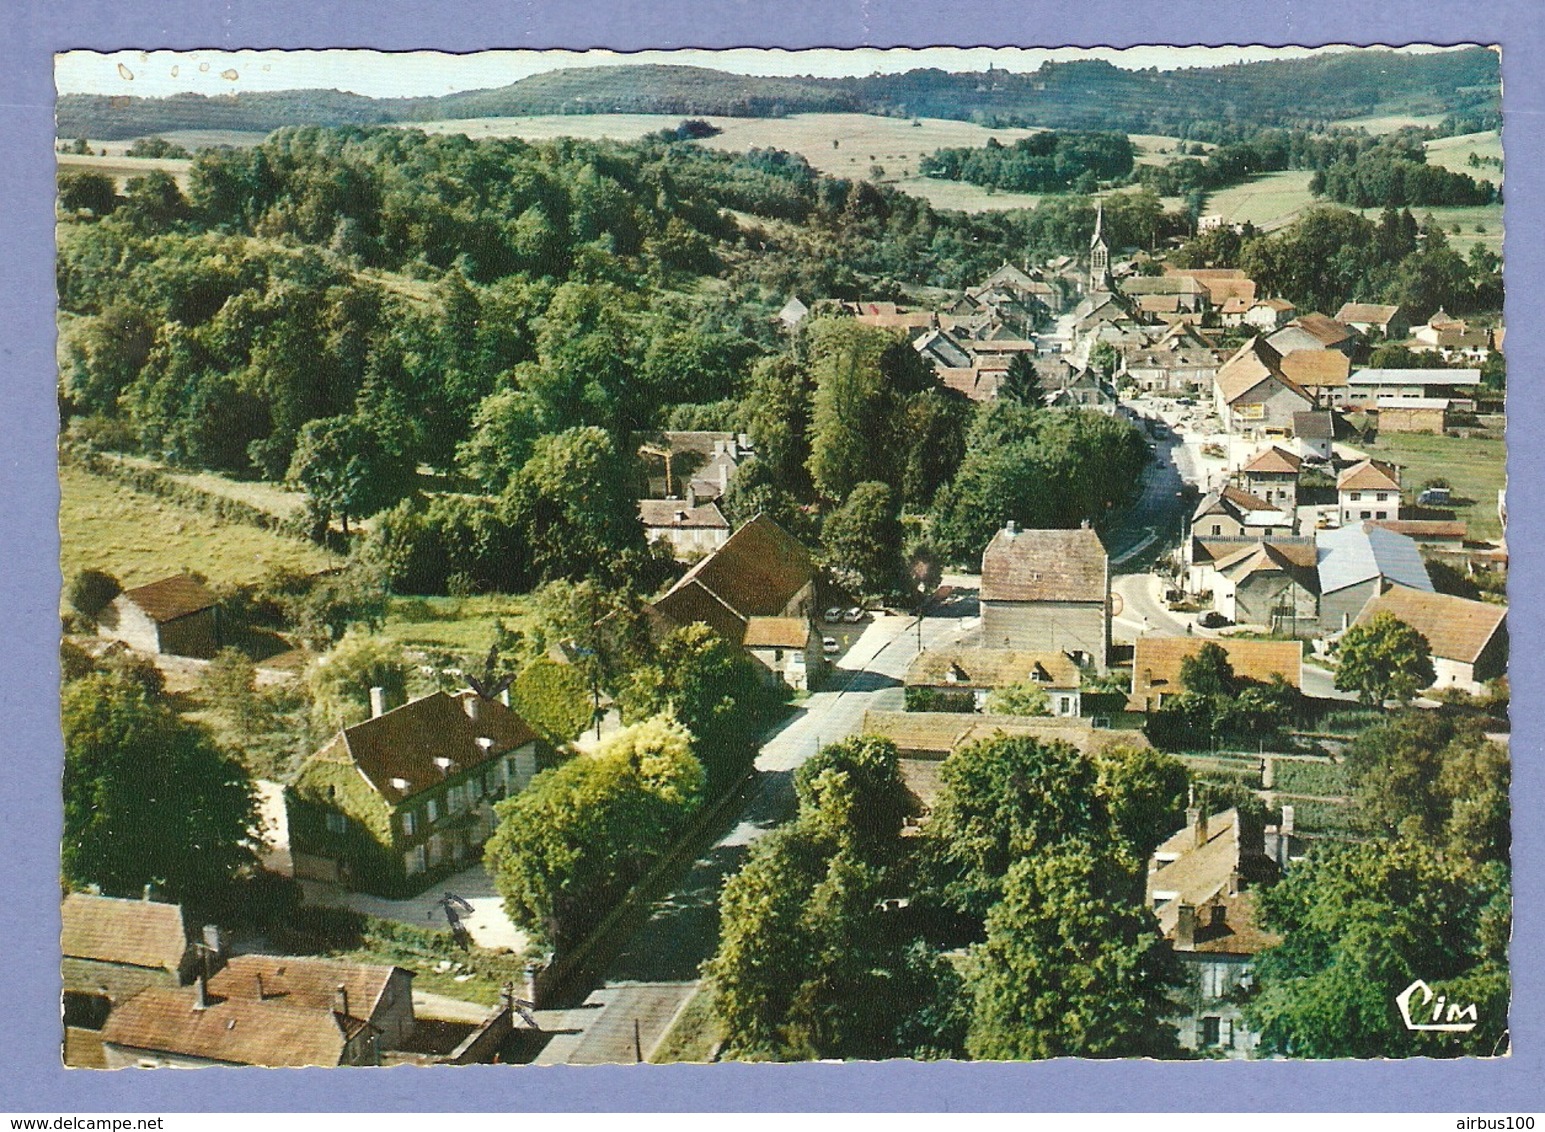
x: 1455, y: 627
x: 756, y: 573
x: 1355, y: 553
x: 171, y: 598
x: 306, y: 981
x: 136, y: 933
x: 1156, y: 661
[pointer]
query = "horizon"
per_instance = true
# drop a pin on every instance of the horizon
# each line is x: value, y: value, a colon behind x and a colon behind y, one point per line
x: 428, y: 74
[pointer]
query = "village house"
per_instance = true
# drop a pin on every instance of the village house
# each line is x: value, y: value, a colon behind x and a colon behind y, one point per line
x: 1157, y: 661
x: 177, y: 616
x: 1468, y: 639
x: 761, y: 571
x: 1315, y: 433
x: 1181, y: 370
x: 1047, y: 591
x: 786, y: 649
x: 1251, y: 393
x: 1231, y: 512
x: 1201, y: 885
x: 1385, y: 319
x: 1266, y: 315
x: 1273, y: 583
x: 1356, y: 563
x: 277, y: 1012
x: 1454, y: 339
x: 942, y: 350
x: 704, y: 461
x: 1367, y: 387
x: 793, y: 313
x: 1178, y: 292
x: 1082, y: 388
x: 389, y: 803
x: 1368, y: 489
x: 1221, y: 283
x: 1315, y: 331
x: 113, y: 947
x: 693, y: 529
x: 1272, y: 475
x: 974, y: 672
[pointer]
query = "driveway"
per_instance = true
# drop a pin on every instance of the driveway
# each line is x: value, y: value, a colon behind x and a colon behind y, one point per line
x: 487, y: 923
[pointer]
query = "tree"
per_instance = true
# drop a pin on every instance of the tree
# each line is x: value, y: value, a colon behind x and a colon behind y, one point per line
x: 1383, y: 659
x: 555, y: 698
x: 1359, y: 923
x: 712, y: 688
x: 1073, y: 964
x: 348, y: 468
x: 863, y: 538
x: 1146, y: 791
x: 90, y: 191
x: 573, y: 842
x: 91, y: 590
x: 852, y: 795
x: 339, y: 681
x: 1208, y: 672
x: 1436, y: 777
x: 148, y: 798
x: 504, y: 428
x: 1022, y: 383
x: 1002, y: 799
x: 1024, y: 698
x: 229, y: 684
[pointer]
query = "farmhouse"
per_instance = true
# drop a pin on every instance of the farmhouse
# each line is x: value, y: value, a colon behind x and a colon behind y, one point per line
x: 974, y: 673
x: 1232, y: 513
x: 1468, y: 638
x: 1369, y: 489
x: 1366, y: 318
x: 1267, y: 315
x: 1272, y: 582
x: 177, y: 616
x: 1156, y: 664
x: 1323, y: 374
x: 1047, y: 591
x: 1251, y: 393
x: 1357, y: 563
x: 389, y: 802
x: 693, y: 529
x: 115, y: 948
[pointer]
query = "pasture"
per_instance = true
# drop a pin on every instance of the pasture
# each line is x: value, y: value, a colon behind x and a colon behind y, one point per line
x: 139, y: 538
x: 1267, y: 201
x: 1454, y: 153
x: 1389, y: 123
x: 1476, y: 470
x: 122, y: 169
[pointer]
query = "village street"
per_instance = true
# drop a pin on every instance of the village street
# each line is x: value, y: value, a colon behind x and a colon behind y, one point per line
x: 656, y: 971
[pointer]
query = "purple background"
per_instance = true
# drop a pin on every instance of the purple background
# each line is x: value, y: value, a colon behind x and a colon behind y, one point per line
x: 32, y: 1078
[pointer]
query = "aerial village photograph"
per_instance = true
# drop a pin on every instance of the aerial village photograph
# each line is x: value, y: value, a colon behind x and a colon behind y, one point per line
x: 981, y: 554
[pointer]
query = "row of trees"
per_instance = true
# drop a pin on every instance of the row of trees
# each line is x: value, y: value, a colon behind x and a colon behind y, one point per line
x: 1015, y: 927
x: 1045, y: 162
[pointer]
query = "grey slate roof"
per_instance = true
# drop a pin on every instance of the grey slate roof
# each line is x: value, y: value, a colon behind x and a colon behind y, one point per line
x: 1361, y: 551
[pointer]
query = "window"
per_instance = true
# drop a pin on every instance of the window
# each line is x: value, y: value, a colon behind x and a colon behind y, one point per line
x: 1367, y: 514
x: 1211, y: 1031
x: 1383, y: 497
x: 336, y: 822
x: 414, y: 861
x: 1217, y: 528
x: 432, y: 811
x: 1356, y: 495
x: 409, y: 823
x: 777, y: 656
x: 453, y: 800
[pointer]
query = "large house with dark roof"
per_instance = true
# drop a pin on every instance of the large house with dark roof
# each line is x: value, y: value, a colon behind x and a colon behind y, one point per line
x: 761, y: 572
x: 1201, y: 885
x: 1468, y: 638
x: 388, y: 804
x: 1047, y: 591
x: 177, y: 615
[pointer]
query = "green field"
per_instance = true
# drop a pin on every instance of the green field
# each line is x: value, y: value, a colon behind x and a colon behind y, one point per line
x: 1453, y: 153
x: 1267, y: 201
x: 1475, y: 469
x: 139, y: 538
x: 459, y: 624
x: 1469, y: 218
x: 1388, y: 123
x: 123, y: 169
x: 267, y: 497
x: 1159, y: 149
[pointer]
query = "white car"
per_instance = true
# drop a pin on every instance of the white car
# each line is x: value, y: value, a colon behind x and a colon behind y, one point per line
x: 829, y: 646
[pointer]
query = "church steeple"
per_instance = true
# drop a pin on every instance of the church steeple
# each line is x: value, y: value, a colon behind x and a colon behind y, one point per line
x: 1099, y: 253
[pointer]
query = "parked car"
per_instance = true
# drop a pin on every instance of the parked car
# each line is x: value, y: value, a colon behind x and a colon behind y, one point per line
x: 854, y: 615
x: 829, y: 646
x: 1433, y: 496
x: 833, y: 615
x: 1212, y: 619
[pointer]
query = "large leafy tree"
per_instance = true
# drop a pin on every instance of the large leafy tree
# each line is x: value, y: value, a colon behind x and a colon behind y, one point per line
x: 148, y: 798
x: 349, y: 468
x: 1383, y: 659
x: 339, y: 681
x: 1146, y: 791
x: 712, y: 687
x: 863, y: 540
x: 1359, y: 924
x: 1073, y: 964
x: 572, y: 843
x: 1435, y: 778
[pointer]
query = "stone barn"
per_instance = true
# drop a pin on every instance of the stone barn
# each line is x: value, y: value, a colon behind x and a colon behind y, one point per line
x: 177, y: 616
x: 1047, y: 591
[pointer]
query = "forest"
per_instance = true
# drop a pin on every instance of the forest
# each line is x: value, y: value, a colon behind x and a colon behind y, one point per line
x: 1216, y: 104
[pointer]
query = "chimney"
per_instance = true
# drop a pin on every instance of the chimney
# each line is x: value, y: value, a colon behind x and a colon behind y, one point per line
x: 724, y: 476
x: 261, y: 993
x: 145, y: 892
x: 504, y: 697
x: 1011, y: 527
x: 1084, y: 526
x: 341, y: 1003
x: 377, y: 702
x: 691, y: 496
x: 1287, y: 821
x: 201, y: 991
x: 1185, y: 928
x: 214, y: 946
x: 473, y: 705
x: 1236, y: 882
x: 1198, y: 823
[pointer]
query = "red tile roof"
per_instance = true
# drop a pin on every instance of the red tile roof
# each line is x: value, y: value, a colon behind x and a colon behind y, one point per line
x: 235, y: 1031
x: 1455, y: 627
x: 1368, y: 475
x: 758, y: 572
x: 305, y: 981
x: 1274, y: 460
x: 138, y: 933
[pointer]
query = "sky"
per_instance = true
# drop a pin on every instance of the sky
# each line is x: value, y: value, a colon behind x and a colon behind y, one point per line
x: 412, y: 74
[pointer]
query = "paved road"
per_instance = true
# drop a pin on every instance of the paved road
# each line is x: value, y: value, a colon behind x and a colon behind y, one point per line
x: 1142, y: 609
x: 1159, y: 509
x: 656, y: 971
